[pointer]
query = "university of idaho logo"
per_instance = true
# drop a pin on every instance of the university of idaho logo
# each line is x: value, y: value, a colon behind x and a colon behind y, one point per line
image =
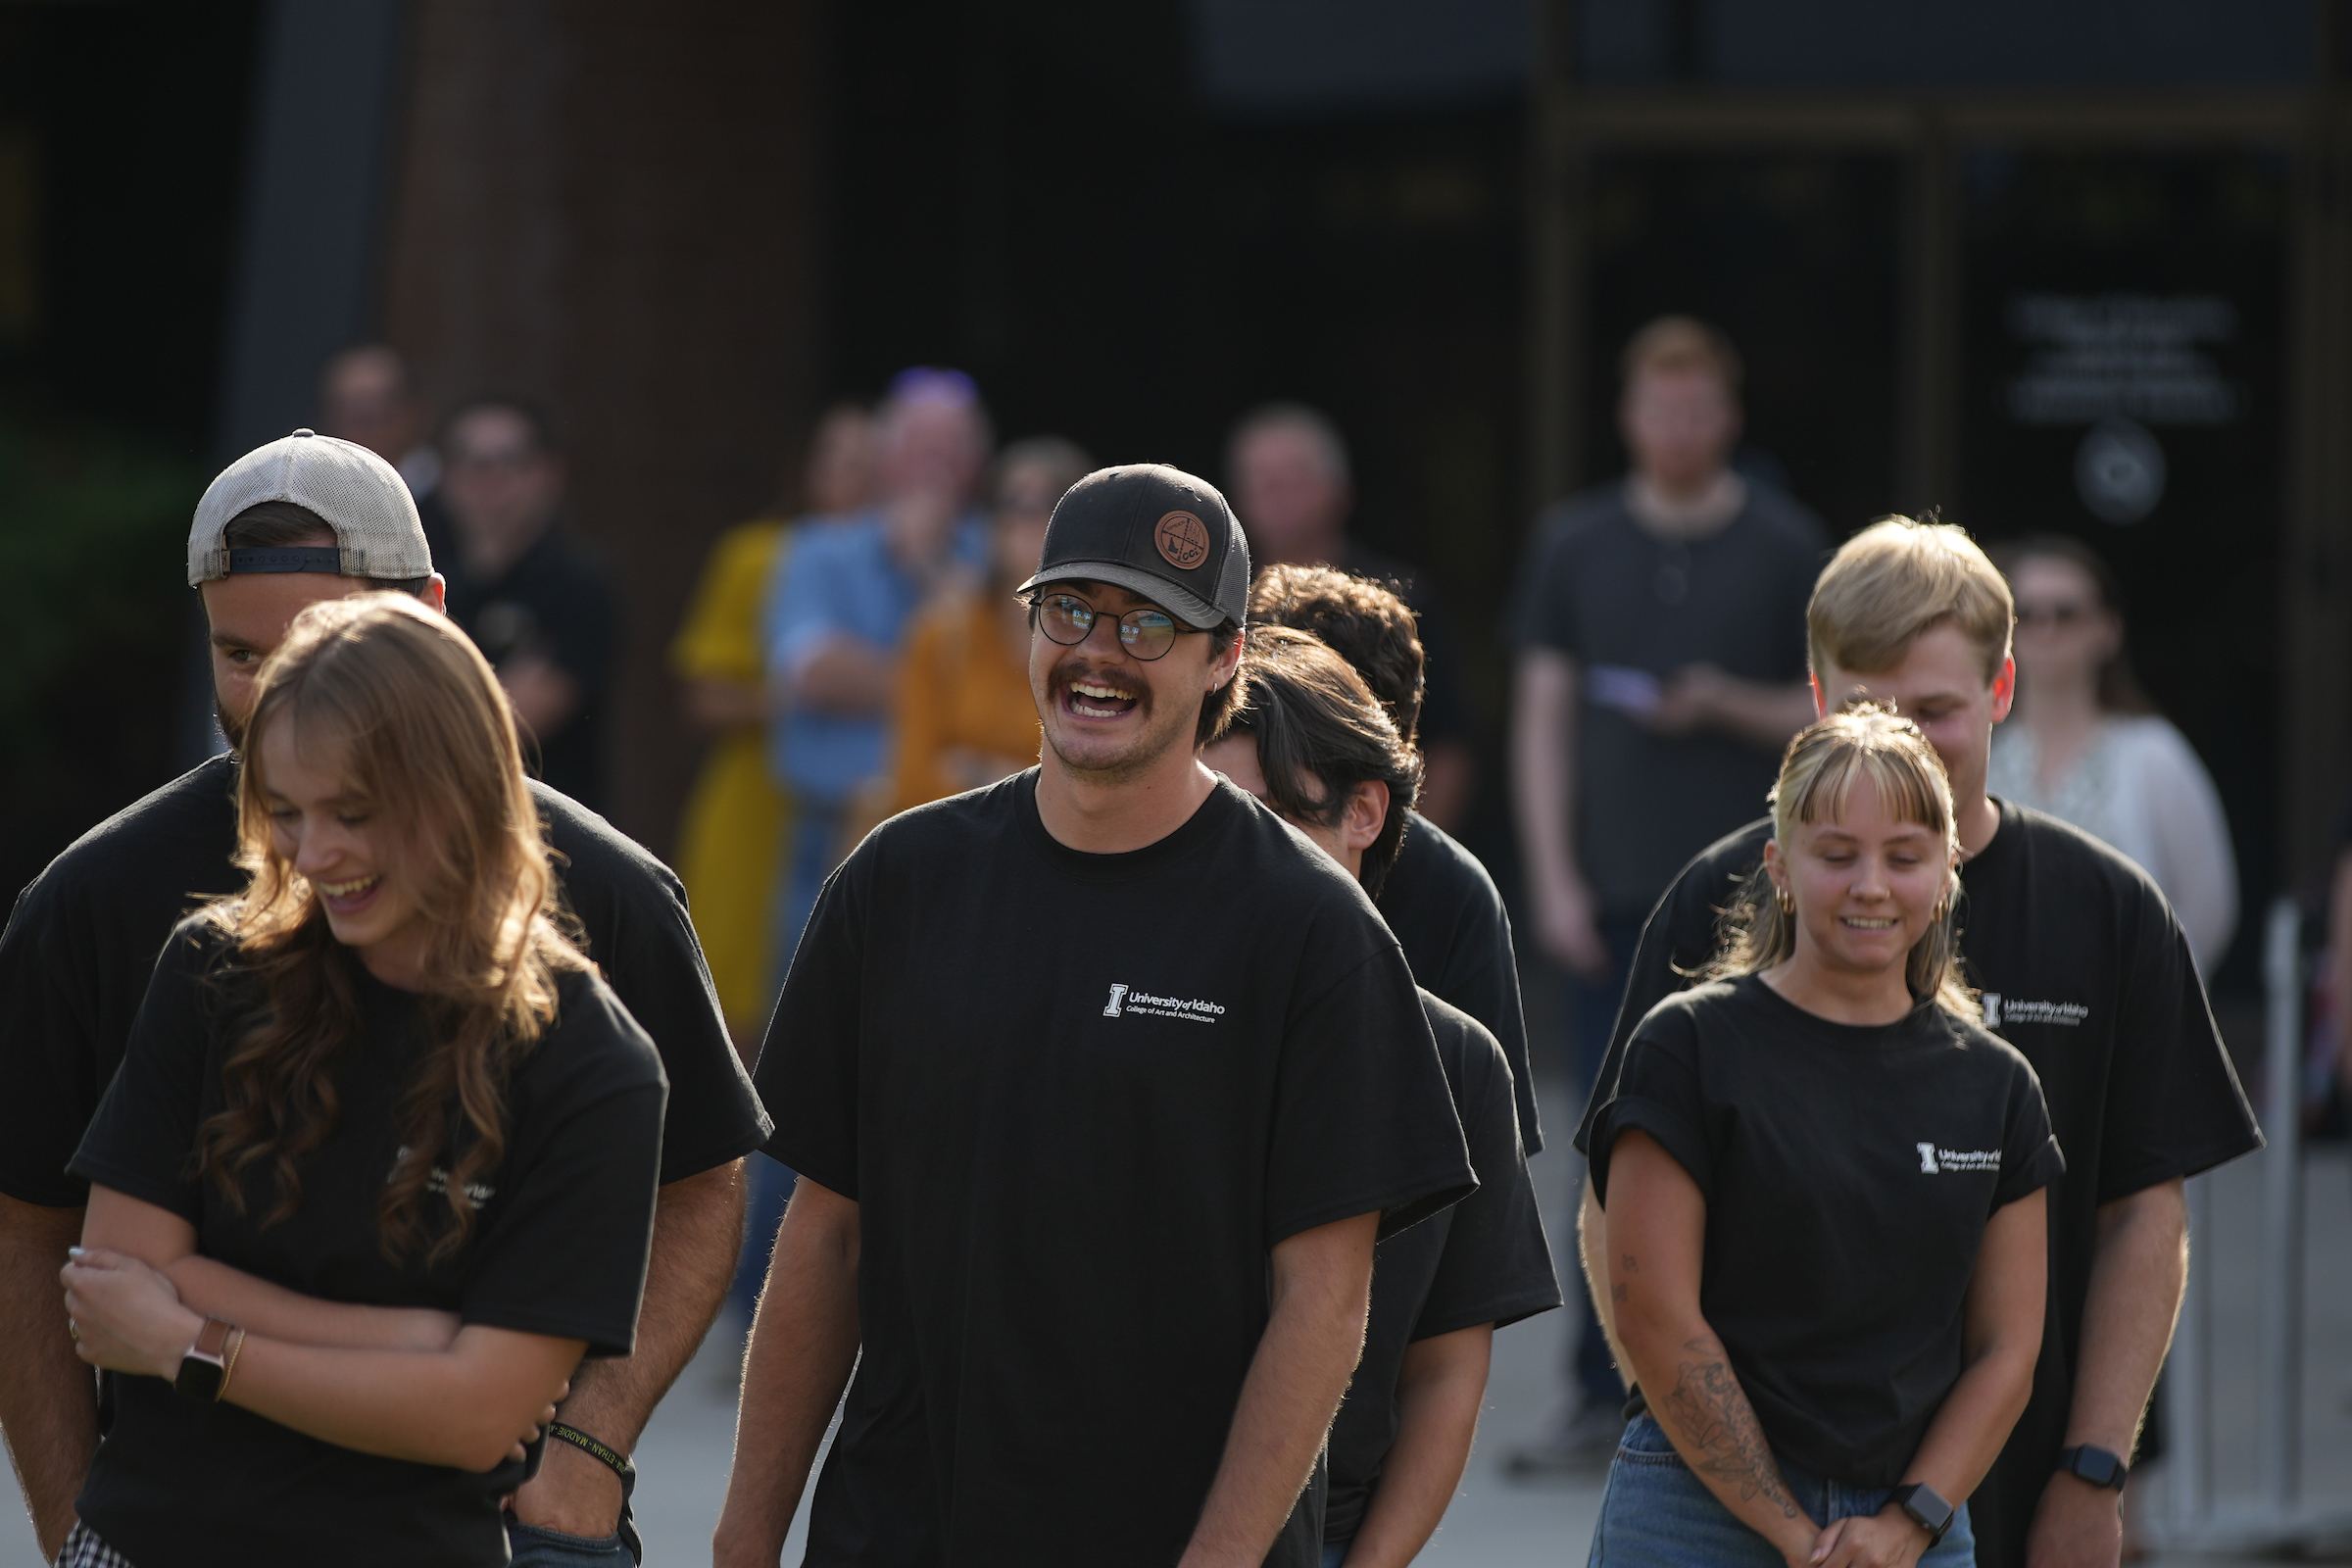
x: 1181, y: 539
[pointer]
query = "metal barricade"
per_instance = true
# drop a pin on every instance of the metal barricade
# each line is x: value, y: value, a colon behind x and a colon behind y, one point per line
x: 2274, y: 1520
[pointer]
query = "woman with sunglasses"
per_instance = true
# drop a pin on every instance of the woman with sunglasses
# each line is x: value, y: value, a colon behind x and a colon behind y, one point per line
x: 1826, y: 1195
x: 379, y: 1166
x: 2086, y: 743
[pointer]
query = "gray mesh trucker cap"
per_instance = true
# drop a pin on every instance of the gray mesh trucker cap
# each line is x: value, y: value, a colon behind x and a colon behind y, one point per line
x: 358, y: 493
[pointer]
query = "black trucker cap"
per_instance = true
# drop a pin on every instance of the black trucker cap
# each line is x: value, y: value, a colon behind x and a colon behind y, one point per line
x: 1156, y: 531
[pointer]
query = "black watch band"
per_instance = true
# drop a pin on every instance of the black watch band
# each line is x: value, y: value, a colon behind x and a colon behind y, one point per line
x: 2100, y: 1467
x: 1927, y: 1508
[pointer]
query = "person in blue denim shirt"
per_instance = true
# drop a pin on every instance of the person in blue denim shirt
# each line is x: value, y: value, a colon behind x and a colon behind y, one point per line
x: 840, y: 608
x: 1826, y: 1187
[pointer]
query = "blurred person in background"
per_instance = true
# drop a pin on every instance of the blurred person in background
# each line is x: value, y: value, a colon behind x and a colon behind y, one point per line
x: 367, y: 396
x: 530, y: 595
x: 1294, y: 488
x: 1436, y: 898
x: 2084, y: 744
x: 1660, y: 639
x: 1315, y: 744
x: 730, y: 841
x: 839, y: 612
x: 964, y: 718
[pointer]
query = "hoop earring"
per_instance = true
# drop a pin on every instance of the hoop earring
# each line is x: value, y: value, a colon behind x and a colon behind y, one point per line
x: 1944, y: 908
x: 1788, y: 902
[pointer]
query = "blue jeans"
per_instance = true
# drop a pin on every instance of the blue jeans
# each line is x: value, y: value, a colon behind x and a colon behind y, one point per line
x: 1334, y: 1554
x: 534, y: 1547
x: 1657, y: 1514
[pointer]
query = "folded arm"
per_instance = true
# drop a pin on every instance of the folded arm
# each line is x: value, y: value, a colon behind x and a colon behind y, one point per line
x: 461, y: 1405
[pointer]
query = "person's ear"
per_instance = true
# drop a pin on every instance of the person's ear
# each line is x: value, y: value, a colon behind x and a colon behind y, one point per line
x: 1773, y: 870
x: 2004, y: 689
x: 436, y: 594
x: 1820, y: 704
x: 1367, y: 814
x: 1221, y: 668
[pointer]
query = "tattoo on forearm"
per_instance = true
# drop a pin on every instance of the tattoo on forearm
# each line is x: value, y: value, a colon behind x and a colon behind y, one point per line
x: 1719, y: 1425
x: 1617, y: 1293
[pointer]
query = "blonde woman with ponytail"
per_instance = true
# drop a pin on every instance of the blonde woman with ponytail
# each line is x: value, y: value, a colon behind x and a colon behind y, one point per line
x: 1825, y: 1191
x: 379, y: 1166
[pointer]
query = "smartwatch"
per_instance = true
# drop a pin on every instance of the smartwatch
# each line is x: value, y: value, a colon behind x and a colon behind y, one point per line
x: 2098, y: 1466
x: 1927, y: 1508
x: 204, y: 1369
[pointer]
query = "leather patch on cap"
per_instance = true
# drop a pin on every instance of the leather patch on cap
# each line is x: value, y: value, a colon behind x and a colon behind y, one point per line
x: 1183, y: 540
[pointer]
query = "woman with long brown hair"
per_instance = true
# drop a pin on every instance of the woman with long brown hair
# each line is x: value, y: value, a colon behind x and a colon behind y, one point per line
x: 1825, y: 1187
x: 379, y: 1166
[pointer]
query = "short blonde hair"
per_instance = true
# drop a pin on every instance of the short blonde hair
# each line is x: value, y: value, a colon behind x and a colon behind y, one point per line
x: 1900, y: 577
x: 1818, y: 773
x: 1674, y: 343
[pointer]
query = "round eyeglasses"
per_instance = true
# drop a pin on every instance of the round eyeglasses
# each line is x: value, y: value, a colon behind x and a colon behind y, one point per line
x: 1066, y: 619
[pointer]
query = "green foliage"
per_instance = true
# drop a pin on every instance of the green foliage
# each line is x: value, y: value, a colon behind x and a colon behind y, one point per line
x: 90, y: 531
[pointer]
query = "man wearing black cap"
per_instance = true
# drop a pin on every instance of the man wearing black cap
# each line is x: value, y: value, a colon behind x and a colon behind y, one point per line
x: 1101, y: 1083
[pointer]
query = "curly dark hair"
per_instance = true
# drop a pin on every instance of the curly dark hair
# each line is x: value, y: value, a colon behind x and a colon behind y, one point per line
x: 1364, y: 622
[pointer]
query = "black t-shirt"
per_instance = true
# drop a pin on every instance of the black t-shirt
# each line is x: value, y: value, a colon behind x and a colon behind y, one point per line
x: 2085, y: 972
x: 1456, y: 937
x: 555, y: 602
x: 1631, y: 609
x: 1078, y: 1098
x: 558, y: 1248
x: 79, y: 949
x: 1850, y: 1171
x: 1484, y: 1260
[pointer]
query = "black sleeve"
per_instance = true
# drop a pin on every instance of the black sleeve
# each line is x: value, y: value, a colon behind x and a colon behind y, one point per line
x: 1675, y: 939
x: 1545, y: 615
x: 578, y: 625
x: 46, y: 1052
x: 641, y: 936
x: 567, y: 1256
x: 139, y: 1142
x: 2173, y: 1103
x: 808, y: 1074
x: 2030, y: 1155
x: 1657, y: 1093
x: 1497, y: 1266
x: 1363, y: 1119
x: 1481, y: 978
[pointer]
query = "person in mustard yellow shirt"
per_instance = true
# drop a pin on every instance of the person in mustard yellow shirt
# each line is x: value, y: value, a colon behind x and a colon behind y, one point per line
x: 964, y: 716
x: 730, y: 841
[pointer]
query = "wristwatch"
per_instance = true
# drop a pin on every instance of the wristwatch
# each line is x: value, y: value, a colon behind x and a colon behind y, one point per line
x: 1927, y: 1508
x: 2100, y: 1467
x: 204, y: 1369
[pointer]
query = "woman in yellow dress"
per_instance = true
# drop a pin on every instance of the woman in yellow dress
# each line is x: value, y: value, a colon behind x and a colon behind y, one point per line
x: 964, y: 718
x: 730, y: 841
